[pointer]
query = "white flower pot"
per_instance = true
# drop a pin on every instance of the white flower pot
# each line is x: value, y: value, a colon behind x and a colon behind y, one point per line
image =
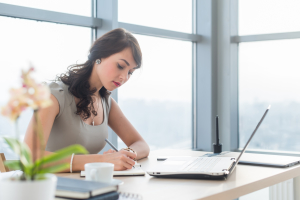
x: 28, y: 190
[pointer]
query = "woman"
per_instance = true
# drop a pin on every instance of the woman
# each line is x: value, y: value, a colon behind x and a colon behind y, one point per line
x: 82, y: 107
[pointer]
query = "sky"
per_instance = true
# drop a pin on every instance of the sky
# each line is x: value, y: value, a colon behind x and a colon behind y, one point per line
x: 269, y: 70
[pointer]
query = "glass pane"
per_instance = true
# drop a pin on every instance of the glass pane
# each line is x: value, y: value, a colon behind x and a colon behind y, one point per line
x: 157, y: 99
x: 51, y: 48
x: 166, y: 14
x: 269, y: 74
x: 76, y: 7
x: 268, y: 16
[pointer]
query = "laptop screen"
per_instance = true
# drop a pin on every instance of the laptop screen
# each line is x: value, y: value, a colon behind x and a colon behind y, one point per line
x: 245, y: 147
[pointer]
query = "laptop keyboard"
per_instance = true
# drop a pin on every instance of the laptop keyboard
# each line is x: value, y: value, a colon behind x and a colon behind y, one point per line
x: 201, y: 164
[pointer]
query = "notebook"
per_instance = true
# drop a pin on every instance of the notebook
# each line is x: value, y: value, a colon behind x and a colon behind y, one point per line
x: 106, y: 196
x: 81, y: 189
x: 111, y: 196
x: 137, y: 171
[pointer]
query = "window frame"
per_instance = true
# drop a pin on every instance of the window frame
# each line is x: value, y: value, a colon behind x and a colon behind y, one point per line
x: 235, y: 40
x: 105, y: 18
x: 227, y: 78
x: 22, y: 12
x: 215, y: 60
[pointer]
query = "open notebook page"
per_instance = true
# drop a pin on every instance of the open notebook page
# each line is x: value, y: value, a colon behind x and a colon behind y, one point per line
x: 137, y: 171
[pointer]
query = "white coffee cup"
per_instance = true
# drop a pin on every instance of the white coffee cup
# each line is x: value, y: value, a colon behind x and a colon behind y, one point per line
x: 100, y: 172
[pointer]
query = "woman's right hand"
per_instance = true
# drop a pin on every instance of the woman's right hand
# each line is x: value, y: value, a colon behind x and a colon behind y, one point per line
x: 122, y: 160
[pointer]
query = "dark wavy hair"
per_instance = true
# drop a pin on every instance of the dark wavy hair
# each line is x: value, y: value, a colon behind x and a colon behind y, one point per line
x: 77, y: 76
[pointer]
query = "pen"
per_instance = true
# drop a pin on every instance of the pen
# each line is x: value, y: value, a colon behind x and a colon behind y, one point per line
x: 113, y: 146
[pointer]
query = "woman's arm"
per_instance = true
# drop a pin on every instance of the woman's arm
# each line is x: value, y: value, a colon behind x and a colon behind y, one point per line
x: 47, y: 117
x: 120, y: 124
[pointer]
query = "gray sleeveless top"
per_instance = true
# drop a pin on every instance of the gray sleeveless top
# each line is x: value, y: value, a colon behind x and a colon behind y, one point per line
x: 68, y: 128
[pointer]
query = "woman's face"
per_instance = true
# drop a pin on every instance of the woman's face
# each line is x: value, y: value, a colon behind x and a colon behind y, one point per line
x: 116, y: 69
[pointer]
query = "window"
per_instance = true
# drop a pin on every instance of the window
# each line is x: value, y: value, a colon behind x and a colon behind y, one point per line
x: 76, y: 7
x: 167, y: 62
x: 158, y: 98
x: 269, y: 74
x: 167, y: 14
x: 51, y: 48
x: 268, y: 16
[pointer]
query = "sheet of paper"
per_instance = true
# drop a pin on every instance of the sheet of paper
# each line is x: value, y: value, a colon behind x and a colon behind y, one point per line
x: 137, y: 171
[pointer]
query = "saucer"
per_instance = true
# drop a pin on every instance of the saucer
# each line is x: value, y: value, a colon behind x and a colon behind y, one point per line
x: 116, y: 182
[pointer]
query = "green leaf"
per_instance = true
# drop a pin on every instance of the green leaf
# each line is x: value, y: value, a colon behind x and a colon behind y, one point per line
x: 21, y: 149
x: 28, y: 169
x: 25, y: 156
x: 54, y: 169
x: 61, y: 154
x: 13, y: 164
x: 13, y: 144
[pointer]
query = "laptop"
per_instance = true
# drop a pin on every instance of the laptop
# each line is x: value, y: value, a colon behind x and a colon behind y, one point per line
x: 200, y: 167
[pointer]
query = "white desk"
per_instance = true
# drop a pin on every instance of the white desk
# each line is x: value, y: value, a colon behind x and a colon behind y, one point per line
x: 244, y: 180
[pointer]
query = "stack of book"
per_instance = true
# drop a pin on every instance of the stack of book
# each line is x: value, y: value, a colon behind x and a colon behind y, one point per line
x: 68, y: 188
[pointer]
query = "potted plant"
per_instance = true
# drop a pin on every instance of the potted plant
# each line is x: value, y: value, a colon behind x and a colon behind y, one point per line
x: 36, y: 181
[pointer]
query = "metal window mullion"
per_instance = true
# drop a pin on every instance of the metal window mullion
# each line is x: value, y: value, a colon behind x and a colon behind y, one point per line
x: 227, y: 75
x: 265, y: 37
x: 194, y: 83
x: 206, y: 79
x: 48, y: 16
x: 156, y: 32
x: 108, y: 12
x: 93, y: 14
x: 234, y: 78
x: 194, y: 95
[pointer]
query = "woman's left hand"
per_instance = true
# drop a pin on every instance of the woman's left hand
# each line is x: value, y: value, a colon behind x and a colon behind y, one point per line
x: 109, y: 151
